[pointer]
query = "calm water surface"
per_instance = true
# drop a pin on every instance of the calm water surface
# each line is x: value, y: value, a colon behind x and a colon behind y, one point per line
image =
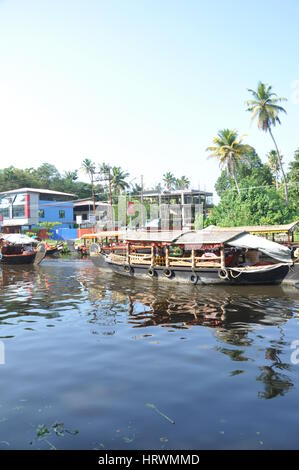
x: 95, y: 361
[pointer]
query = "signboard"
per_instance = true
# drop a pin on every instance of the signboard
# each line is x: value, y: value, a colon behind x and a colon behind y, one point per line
x: 92, y: 218
x: 78, y: 219
x: 131, y: 208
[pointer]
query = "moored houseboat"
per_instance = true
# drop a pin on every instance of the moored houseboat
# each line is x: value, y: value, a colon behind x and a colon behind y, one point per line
x: 202, y: 257
x: 18, y: 249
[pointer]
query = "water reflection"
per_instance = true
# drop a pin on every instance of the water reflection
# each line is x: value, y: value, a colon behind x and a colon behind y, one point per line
x: 232, y: 313
x: 222, y: 344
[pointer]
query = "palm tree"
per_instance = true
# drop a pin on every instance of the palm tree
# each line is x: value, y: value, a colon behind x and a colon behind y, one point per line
x: 182, y: 183
x: 136, y: 189
x: 230, y: 151
x: 118, y: 179
x: 89, y: 168
x: 266, y: 109
x: 169, y: 180
x: 105, y: 170
x: 71, y: 175
x: 274, y: 165
x: 158, y: 188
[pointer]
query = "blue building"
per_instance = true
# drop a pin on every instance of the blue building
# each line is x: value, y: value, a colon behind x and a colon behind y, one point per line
x: 25, y: 208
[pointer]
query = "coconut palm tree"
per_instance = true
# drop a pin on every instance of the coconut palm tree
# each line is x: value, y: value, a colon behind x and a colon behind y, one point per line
x: 89, y: 168
x: 118, y: 179
x: 229, y: 150
x: 105, y: 170
x: 169, y: 180
x: 71, y: 175
x: 158, y: 188
x: 136, y: 189
x: 182, y: 183
x: 274, y: 165
x: 264, y: 106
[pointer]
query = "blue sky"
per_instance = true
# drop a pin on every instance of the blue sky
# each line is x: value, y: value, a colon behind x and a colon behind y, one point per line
x: 142, y: 84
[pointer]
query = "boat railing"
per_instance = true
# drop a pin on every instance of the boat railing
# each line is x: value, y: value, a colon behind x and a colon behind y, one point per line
x: 117, y: 258
x: 146, y: 259
x: 140, y: 258
x: 195, y: 262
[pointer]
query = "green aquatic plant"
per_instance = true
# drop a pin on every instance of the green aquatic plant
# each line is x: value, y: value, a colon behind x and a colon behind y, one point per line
x: 153, y: 407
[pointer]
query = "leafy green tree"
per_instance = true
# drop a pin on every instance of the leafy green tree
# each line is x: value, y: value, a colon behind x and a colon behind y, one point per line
x: 273, y: 164
x: 49, y: 226
x: 71, y: 175
x: 251, y: 166
x: 293, y: 182
x: 229, y: 151
x: 264, y: 106
x: 258, y: 202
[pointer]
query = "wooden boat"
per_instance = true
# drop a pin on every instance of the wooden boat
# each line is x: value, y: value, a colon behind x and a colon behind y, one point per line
x: 282, y: 233
x: 16, y: 249
x: 203, y: 257
x: 91, y: 241
x: 53, y: 249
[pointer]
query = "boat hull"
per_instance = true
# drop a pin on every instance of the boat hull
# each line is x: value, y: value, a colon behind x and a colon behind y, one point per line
x: 100, y: 262
x: 200, y: 276
x: 18, y: 259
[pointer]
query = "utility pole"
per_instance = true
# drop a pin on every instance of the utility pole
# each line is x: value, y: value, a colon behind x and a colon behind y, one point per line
x: 141, y: 195
x: 141, y: 201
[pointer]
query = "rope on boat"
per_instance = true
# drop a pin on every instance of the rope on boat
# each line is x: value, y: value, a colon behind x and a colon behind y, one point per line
x: 239, y: 273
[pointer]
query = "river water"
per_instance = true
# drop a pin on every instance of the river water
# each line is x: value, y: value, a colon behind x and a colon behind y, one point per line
x: 96, y: 361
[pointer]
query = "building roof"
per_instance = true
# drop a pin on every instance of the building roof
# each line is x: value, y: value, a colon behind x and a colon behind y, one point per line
x: 283, y: 228
x: 37, y: 190
x: 89, y: 202
x: 177, y: 192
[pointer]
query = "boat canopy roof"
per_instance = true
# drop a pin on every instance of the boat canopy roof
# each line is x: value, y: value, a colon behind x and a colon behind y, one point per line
x: 178, y: 237
x: 198, y: 239
x: 18, y: 239
x: 282, y: 228
x: 101, y: 235
x: 272, y: 249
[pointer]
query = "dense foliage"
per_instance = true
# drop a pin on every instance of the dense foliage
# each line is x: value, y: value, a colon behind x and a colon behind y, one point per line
x: 259, y: 202
x: 46, y: 176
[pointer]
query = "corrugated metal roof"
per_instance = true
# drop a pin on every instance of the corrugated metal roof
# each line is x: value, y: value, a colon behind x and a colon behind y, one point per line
x: 90, y: 203
x: 37, y: 190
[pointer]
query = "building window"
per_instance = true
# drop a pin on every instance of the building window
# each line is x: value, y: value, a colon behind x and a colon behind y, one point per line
x: 18, y: 211
x: 61, y: 214
x: 41, y: 213
x: 4, y: 207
